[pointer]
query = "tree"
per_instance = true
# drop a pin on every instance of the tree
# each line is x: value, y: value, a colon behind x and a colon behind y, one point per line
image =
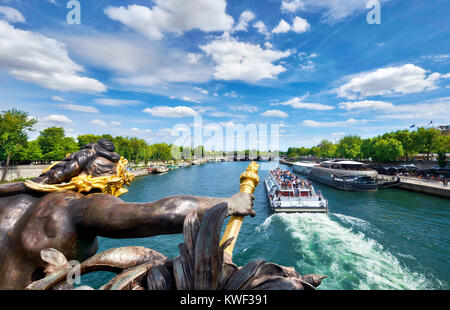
x: 367, y: 148
x: 407, y: 140
x: 34, y: 152
x: 327, y: 149
x: 442, y: 159
x: 55, y: 145
x: 425, y: 140
x: 13, y: 127
x: 387, y: 150
x: 349, y: 147
x: 161, y: 151
x: 84, y: 140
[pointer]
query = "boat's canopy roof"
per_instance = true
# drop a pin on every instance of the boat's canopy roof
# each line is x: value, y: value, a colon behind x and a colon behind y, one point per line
x: 344, y: 162
x: 305, y: 164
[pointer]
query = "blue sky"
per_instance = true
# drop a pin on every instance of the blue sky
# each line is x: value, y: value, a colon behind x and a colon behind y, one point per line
x: 315, y: 67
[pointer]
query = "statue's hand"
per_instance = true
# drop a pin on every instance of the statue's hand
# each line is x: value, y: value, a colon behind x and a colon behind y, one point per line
x: 241, y: 205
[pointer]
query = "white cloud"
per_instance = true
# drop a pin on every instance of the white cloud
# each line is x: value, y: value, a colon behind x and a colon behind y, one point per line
x: 151, y: 66
x: 291, y: 6
x: 434, y: 109
x: 78, y: 108
x: 406, y: 79
x: 11, y: 14
x: 244, y: 19
x: 169, y: 112
x: 298, y: 103
x: 99, y: 122
x: 315, y: 124
x: 231, y: 94
x: 189, y: 99
x: 243, y: 61
x: 261, y: 28
x: 275, y: 113
x: 173, y: 16
x: 244, y: 108
x: 201, y: 90
x: 338, y: 134
x: 58, y: 119
x: 366, y: 105
x: 282, y: 27
x: 300, y: 25
x: 116, y: 102
x: 333, y: 11
x: 268, y: 45
x: 34, y: 58
x: 59, y: 98
x: 115, y: 123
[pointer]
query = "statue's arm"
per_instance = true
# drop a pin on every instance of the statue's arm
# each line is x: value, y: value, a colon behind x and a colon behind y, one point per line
x: 107, y: 216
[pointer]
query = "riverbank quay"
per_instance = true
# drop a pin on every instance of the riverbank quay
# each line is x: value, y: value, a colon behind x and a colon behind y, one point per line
x: 22, y: 172
x: 424, y: 186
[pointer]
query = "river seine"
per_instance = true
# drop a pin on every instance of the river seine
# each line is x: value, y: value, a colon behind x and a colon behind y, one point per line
x: 390, y: 239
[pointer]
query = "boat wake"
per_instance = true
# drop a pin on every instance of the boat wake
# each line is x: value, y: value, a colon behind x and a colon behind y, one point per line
x: 350, y: 260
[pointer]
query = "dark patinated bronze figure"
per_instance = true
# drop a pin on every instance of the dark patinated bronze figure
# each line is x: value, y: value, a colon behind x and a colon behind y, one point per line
x: 40, y: 232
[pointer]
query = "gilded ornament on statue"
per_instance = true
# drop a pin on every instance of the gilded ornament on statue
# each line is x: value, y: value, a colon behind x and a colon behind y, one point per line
x: 249, y: 179
x: 112, y: 184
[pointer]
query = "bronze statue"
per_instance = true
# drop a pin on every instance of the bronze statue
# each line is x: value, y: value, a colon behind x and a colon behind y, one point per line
x: 41, y: 227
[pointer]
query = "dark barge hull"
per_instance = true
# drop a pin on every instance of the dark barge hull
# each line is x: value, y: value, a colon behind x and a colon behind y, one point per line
x: 345, y: 186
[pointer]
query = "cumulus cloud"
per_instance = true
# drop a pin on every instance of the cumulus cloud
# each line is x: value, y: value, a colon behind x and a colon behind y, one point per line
x: 299, y: 25
x: 282, y: 27
x: 275, y: 113
x: 201, y: 90
x: 244, y: 19
x: 247, y: 108
x: 99, y: 122
x: 169, y: 112
x: 173, y: 16
x: 34, y: 58
x: 315, y: 124
x: 365, y: 105
x: 57, y: 119
x: 59, y: 98
x: 243, y: 61
x: 116, y: 102
x: 150, y: 65
x: 291, y: 6
x: 78, y: 108
x: 298, y: 103
x: 11, y: 14
x: 261, y: 28
x: 333, y: 11
x: 406, y: 79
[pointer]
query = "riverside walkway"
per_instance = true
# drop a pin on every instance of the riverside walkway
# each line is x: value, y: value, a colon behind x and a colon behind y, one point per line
x: 425, y: 186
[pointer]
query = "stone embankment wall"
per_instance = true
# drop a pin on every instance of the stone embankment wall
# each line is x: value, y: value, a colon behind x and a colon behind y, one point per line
x: 23, y: 171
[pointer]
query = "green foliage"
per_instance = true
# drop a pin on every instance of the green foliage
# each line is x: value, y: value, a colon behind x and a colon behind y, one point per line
x: 426, y: 140
x: 387, y: 150
x: 349, y: 147
x: 327, y: 149
x: 388, y: 147
x: 14, y: 125
x: 442, y: 159
x: 84, y: 140
x: 55, y: 145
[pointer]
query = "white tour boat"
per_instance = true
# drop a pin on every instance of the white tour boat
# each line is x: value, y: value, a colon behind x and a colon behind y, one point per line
x: 288, y: 193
